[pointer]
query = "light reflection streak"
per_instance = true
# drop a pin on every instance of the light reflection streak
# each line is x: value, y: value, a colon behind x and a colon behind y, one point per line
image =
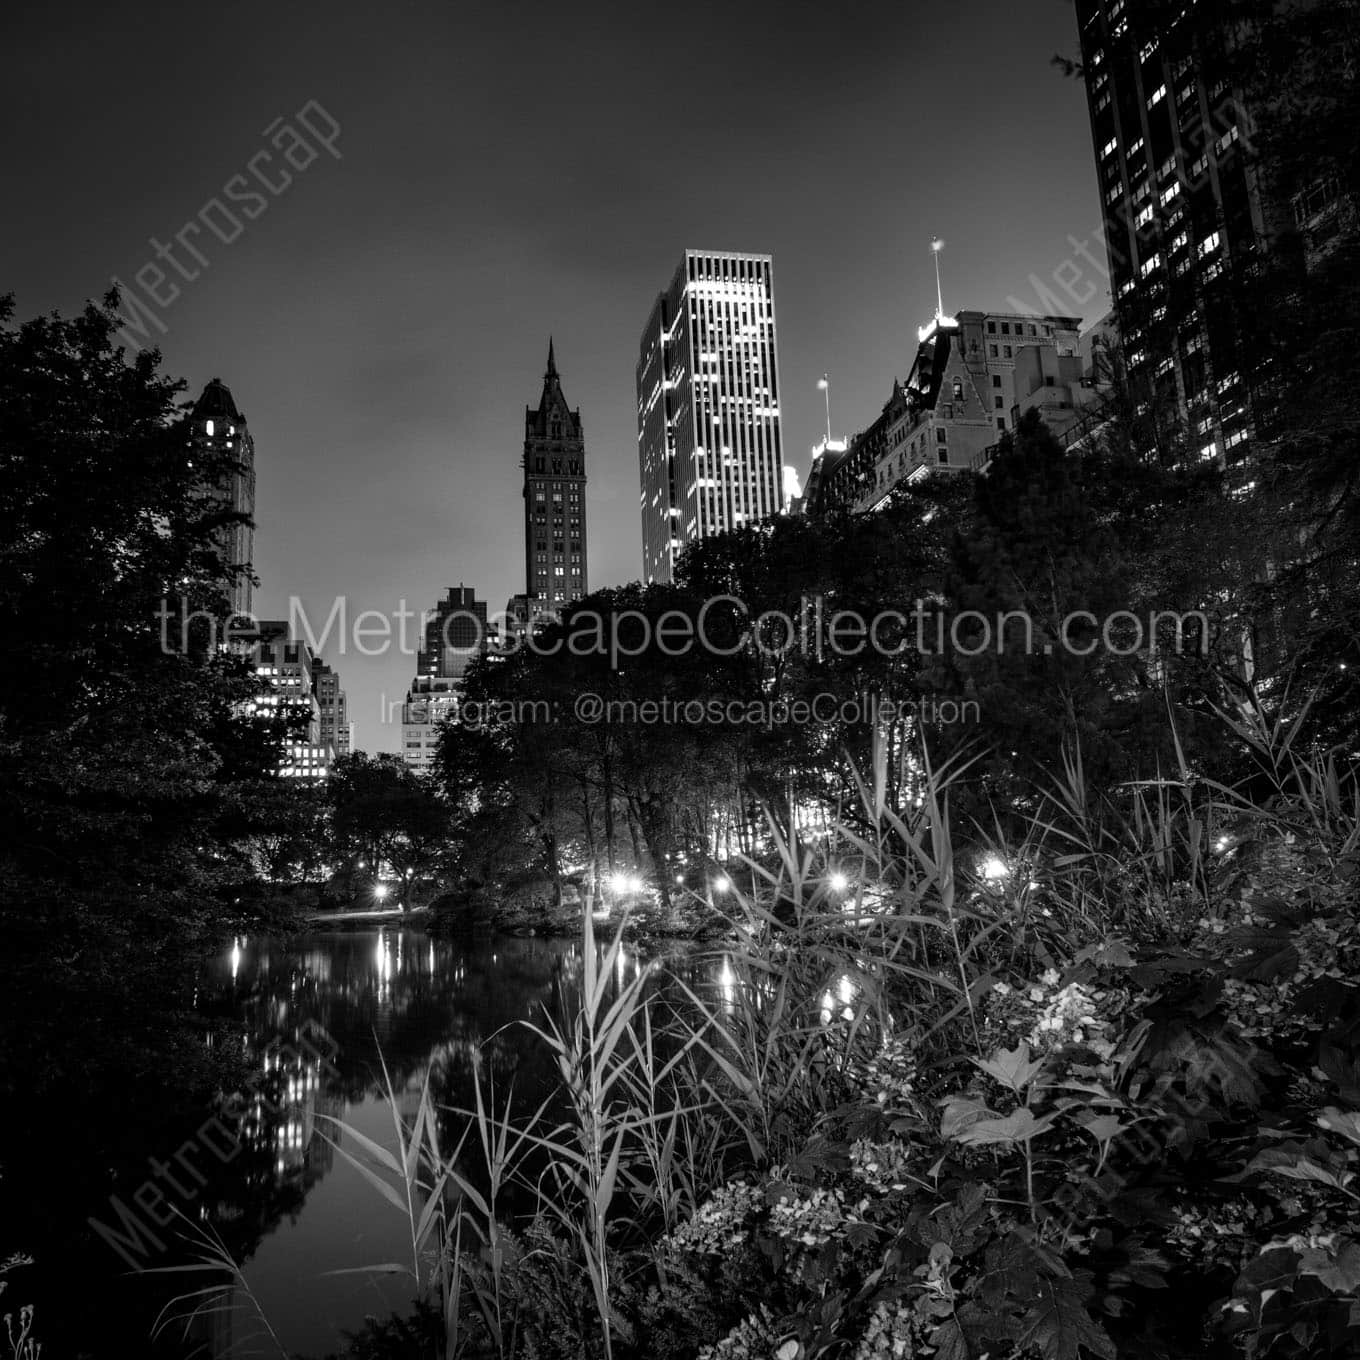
x: 727, y: 985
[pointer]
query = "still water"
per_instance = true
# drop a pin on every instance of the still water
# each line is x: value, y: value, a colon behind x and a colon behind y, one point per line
x: 303, y: 1026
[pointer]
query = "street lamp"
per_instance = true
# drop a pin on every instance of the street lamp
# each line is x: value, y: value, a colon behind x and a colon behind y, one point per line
x: 380, y: 891
x: 839, y: 882
x: 722, y: 883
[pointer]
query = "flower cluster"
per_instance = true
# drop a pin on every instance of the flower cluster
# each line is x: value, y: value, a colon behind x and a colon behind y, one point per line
x: 809, y: 1221
x: 1049, y: 1016
x: 719, y: 1223
x: 889, y: 1077
x: 882, y: 1166
x: 1221, y: 1237
x: 1070, y: 1016
x: 889, y: 1335
x: 751, y: 1339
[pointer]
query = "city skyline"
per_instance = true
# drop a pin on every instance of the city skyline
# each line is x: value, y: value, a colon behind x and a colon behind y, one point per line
x: 795, y: 717
x: 379, y: 320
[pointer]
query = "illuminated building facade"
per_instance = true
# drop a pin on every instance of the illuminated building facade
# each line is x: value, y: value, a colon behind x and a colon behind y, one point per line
x: 554, y: 499
x: 288, y: 667
x: 455, y: 634
x: 217, y: 426
x: 524, y: 615
x: 710, y: 456
x: 1183, y: 209
x: 825, y: 453
x: 430, y: 700
x: 972, y: 375
x: 336, y: 730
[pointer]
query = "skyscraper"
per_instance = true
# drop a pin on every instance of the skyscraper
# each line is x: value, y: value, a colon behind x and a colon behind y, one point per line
x: 287, y: 666
x: 554, y: 500
x: 217, y: 426
x: 710, y: 455
x: 1183, y: 208
x: 336, y: 730
x: 455, y: 634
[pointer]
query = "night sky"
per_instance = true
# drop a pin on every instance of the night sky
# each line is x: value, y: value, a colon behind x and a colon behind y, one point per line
x: 509, y: 170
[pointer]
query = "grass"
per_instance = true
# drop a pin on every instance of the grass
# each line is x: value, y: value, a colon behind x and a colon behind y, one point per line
x: 670, y: 1091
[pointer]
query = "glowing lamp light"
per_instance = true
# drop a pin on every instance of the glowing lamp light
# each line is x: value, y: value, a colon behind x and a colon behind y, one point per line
x: 839, y: 882
x: 380, y: 891
x: 722, y: 883
x: 680, y: 880
x: 993, y: 868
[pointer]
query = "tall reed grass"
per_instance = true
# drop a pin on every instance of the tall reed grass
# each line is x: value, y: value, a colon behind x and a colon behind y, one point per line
x: 887, y: 933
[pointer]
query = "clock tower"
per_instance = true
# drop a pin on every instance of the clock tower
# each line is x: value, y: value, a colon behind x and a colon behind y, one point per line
x: 554, y: 500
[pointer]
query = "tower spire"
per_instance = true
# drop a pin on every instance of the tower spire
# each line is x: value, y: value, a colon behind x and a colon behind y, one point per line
x: 552, y: 361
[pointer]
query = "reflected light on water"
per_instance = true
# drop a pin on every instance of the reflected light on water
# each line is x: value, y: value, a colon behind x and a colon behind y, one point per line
x: 843, y: 996
x: 236, y: 957
x: 727, y: 985
x: 382, y: 959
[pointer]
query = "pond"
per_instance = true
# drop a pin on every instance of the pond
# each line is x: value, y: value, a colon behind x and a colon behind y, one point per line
x: 304, y: 1027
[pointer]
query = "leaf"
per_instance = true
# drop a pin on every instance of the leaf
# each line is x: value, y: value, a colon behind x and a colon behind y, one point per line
x: 1296, y: 1167
x: 1344, y: 1122
x: 1012, y: 1067
x: 972, y: 1333
x: 1339, y: 1273
x: 961, y: 1112
x: 1114, y: 953
x: 386, y: 1268
x: 1059, y: 1326
x: 1276, y: 1268
x: 1273, y: 955
x: 949, y: 1342
x: 372, y: 1177
x: 1102, y: 1127
x: 1018, y: 1127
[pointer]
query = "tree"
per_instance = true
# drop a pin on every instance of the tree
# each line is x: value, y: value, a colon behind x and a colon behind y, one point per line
x: 115, y: 707
x: 1047, y: 609
x: 282, y: 827
x: 383, y: 813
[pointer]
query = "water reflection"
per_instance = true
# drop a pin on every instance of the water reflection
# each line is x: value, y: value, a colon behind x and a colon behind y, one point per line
x: 319, y: 1018
x: 229, y: 1101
